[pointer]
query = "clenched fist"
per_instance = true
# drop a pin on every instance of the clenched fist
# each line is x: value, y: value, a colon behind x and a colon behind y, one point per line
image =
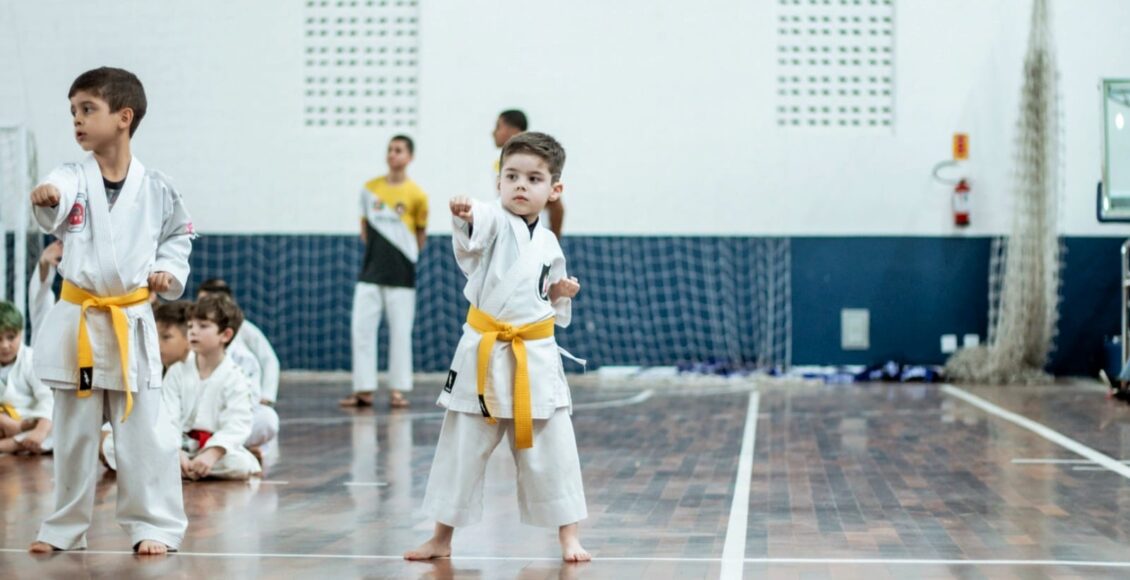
x: 564, y: 288
x: 461, y: 208
x: 45, y: 195
x: 160, y: 281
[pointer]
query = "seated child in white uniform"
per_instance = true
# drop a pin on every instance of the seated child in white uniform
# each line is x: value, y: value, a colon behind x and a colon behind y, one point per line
x: 208, y: 398
x: 26, y: 403
x: 255, y: 356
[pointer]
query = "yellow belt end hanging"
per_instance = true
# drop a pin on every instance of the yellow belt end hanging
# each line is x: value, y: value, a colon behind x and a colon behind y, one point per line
x: 129, y: 404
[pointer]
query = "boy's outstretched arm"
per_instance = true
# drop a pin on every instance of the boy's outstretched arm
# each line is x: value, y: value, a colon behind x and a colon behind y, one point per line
x: 462, y: 208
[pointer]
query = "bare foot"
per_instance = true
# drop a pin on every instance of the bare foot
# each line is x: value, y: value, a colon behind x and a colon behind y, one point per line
x: 396, y: 400
x: 357, y: 400
x: 439, y: 546
x: 42, y: 548
x: 430, y: 550
x: 150, y: 548
x: 571, y: 548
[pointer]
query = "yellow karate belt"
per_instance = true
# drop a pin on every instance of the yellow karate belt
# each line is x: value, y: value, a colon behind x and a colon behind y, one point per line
x: 115, y: 305
x: 492, y: 331
x: 10, y: 411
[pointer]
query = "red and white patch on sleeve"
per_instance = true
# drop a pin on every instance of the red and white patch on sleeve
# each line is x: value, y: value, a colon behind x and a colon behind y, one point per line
x: 76, y: 218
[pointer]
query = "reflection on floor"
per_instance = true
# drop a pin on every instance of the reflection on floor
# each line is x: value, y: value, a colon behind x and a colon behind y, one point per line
x: 866, y: 481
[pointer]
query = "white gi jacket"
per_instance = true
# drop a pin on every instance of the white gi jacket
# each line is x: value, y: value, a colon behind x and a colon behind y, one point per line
x: 220, y: 404
x: 24, y: 391
x: 111, y: 253
x: 509, y: 274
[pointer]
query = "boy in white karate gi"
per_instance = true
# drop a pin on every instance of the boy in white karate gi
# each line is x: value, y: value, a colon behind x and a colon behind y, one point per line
x: 127, y: 234
x: 25, y: 402
x: 208, y: 397
x: 518, y: 289
x: 254, y: 355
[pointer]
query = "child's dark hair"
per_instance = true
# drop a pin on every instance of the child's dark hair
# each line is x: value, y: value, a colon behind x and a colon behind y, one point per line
x: 215, y: 286
x: 408, y: 143
x: 220, y: 309
x: 173, y: 313
x: 10, y: 318
x: 120, y: 89
x: 539, y: 145
x: 515, y: 118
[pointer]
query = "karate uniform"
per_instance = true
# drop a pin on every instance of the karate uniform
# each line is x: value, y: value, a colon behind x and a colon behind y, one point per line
x: 264, y: 418
x: 24, y: 394
x: 111, y: 254
x: 219, y: 406
x: 252, y: 339
x: 509, y: 273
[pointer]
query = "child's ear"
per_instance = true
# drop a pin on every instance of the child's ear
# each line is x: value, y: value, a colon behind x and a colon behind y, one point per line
x: 227, y: 335
x: 125, y: 118
x: 555, y: 193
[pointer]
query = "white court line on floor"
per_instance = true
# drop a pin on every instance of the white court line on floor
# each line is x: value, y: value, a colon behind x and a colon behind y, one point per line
x: 1059, y: 461
x: 1041, y: 430
x: 633, y: 400
x: 598, y: 559
x: 733, y: 551
x: 367, y: 483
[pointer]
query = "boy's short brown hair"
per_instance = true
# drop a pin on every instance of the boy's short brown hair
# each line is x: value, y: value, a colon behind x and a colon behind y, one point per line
x: 215, y: 286
x: 539, y: 145
x: 220, y: 309
x: 120, y: 89
x: 173, y: 313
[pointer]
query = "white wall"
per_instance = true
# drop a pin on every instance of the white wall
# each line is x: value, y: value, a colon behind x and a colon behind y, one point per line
x: 666, y: 109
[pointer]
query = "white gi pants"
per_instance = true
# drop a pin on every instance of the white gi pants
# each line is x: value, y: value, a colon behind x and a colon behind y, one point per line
x: 264, y: 426
x: 550, y: 491
x: 150, y: 500
x: 369, y: 301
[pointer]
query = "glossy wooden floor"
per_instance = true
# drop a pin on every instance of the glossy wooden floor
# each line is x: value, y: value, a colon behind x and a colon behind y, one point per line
x: 870, y: 481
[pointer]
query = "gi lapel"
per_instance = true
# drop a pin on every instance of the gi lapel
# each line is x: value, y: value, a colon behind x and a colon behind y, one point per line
x: 123, y: 229
x: 528, y: 258
x: 101, y: 230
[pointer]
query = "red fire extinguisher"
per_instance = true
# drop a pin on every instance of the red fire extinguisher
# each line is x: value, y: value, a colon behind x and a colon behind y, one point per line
x: 961, y: 203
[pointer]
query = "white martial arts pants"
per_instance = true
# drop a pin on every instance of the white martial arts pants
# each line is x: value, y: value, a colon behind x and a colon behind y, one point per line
x: 550, y: 491
x: 150, y: 500
x: 369, y: 301
x: 264, y: 426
